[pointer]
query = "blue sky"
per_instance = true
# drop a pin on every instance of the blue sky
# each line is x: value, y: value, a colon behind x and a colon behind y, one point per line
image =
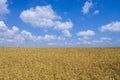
x: 59, y: 23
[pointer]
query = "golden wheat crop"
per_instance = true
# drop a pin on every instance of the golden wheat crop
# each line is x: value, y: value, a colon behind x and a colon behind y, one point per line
x: 59, y: 64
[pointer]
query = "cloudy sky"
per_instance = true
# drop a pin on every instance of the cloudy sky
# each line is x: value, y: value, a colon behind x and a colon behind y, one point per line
x: 59, y: 23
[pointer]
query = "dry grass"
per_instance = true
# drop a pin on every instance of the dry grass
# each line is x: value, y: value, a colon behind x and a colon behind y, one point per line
x: 59, y: 64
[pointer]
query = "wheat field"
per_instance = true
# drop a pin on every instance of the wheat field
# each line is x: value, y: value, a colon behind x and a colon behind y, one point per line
x: 59, y: 63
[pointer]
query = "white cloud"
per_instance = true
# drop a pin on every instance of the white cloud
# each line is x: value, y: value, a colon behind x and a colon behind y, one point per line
x: 87, y: 33
x: 63, y: 25
x: 96, y: 12
x: 87, y: 6
x: 3, y: 26
x: 3, y: 8
x: 15, y: 36
x: 13, y: 31
x: 49, y: 37
x: 28, y: 36
x: 84, y: 36
x: 84, y: 40
x: 61, y: 38
x: 45, y: 17
x: 66, y: 33
x: 40, y: 16
x: 9, y: 35
x: 103, y: 40
x: 113, y: 27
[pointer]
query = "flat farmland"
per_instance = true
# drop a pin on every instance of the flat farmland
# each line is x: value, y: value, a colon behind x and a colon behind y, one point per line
x: 59, y: 63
